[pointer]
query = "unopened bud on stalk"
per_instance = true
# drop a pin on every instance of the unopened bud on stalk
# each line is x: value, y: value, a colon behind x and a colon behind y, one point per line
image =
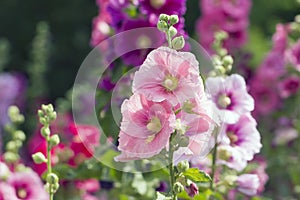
x: 39, y: 158
x: 174, y: 19
x: 178, y: 188
x: 178, y: 43
x: 54, y: 140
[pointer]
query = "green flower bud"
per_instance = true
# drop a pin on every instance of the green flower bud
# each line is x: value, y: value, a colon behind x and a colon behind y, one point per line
x: 52, y: 178
x: 54, y: 140
x: 45, y: 131
x: 222, y: 52
x: 162, y: 26
x: 52, y: 116
x: 173, y: 31
x: 39, y: 158
x: 178, y: 43
x: 221, y: 35
x: 230, y: 179
x: 220, y: 69
x: 164, y: 17
x: 227, y: 60
x: 19, y: 135
x: 178, y: 188
x: 174, y: 19
x: 40, y: 113
x: 13, y: 111
x: 11, y: 157
x: 43, y: 121
x: 183, y: 166
x: 44, y: 107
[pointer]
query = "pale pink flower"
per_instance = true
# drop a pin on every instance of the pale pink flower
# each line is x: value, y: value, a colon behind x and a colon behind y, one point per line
x: 168, y: 75
x: 285, y: 135
x: 230, y: 96
x: 248, y: 184
x: 145, y: 128
x: 27, y: 185
x: 231, y: 157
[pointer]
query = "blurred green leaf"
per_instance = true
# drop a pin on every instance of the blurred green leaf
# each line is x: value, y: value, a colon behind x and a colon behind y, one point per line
x: 196, y: 175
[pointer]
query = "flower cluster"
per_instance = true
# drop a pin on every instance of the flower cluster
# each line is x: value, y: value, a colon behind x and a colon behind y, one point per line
x: 229, y: 16
x: 168, y: 95
x: 116, y: 16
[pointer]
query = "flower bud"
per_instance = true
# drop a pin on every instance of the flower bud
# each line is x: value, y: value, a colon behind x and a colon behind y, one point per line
x: 52, y: 178
x: 230, y: 179
x: 19, y: 135
x: 173, y: 31
x: 45, y: 131
x: 54, y: 140
x: 164, y: 17
x: 227, y: 60
x: 39, y: 158
x: 178, y: 187
x: 52, y: 116
x: 174, y: 19
x: 183, y: 166
x: 11, y: 157
x: 40, y: 113
x: 162, y: 26
x: 183, y: 141
x: 13, y: 111
x: 178, y: 43
x: 192, y: 190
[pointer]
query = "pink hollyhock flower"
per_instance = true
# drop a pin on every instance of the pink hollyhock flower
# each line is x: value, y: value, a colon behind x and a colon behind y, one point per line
x: 90, y: 185
x: 293, y: 55
x: 265, y: 94
x: 289, y: 86
x: 7, y: 192
x: 243, y: 136
x: 145, y: 128
x: 27, y: 185
x: 237, y: 8
x: 230, y: 96
x: 273, y: 66
x: 260, y: 171
x: 248, y: 184
x: 285, y: 135
x: 231, y: 157
x: 168, y: 75
x: 86, y: 138
x: 280, y: 38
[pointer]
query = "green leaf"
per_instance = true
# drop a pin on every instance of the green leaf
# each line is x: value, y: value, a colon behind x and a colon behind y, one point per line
x: 196, y: 175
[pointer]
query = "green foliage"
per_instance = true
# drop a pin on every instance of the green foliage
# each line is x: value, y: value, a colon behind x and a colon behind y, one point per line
x: 196, y: 175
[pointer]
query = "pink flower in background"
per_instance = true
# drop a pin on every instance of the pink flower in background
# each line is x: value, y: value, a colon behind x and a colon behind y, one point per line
x: 27, y: 185
x: 284, y: 135
x: 230, y: 96
x: 248, y: 184
x: 272, y: 67
x: 145, y: 128
x: 280, y: 38
x: 87, y: 187
x: 289, y: 86
x: 168, y: 75
x: 243, y: 136
x: 260, y: 171
x: 293, y: 55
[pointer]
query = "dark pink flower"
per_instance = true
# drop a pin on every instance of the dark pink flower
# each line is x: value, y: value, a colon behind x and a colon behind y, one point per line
x: 289, y: 86
x: 293, y: 55
x: 7, y: 192
x: 280, y: 38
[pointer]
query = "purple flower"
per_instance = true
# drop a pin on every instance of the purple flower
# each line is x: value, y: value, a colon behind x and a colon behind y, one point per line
x: 280, y: 38
x: 293, y: 55
x: 289, y: 86
x: 230, y: 96
x: 116, y: 9
x: 243, y: 136
x: 248, y: 184
x: 27, y: 185
x: 138, y: 44
x: 153, y: 8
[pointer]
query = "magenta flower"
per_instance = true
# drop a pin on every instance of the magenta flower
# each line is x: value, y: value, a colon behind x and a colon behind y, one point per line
x: 293, y: 55
x: 285, y: 135
x: 192, y: 190
x: 230, y: 96
x: 153, y: 8
x: 168, y: 75
x: 289, y: 86
x: 27, y: 185
x: 243, y: 136
x: 280, y: 38
x: 145, y: 128
x: 248, y: 184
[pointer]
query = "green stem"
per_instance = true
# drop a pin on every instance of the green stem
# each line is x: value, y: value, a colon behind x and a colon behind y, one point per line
x: 214, y: 158
x: 49, y: 167
x: 169, y: 38
x: 171, y: 169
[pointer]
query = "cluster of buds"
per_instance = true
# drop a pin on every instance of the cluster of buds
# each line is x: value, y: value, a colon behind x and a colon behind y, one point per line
x: 295, y: 26
x: 221, y: 60
x: 166, y: 24
x: 46, y: 116
x: 17, y: 136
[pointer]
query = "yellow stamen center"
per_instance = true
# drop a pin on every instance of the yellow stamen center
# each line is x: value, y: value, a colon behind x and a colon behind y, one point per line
x: 224, y: 101
x: 170, y: 83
